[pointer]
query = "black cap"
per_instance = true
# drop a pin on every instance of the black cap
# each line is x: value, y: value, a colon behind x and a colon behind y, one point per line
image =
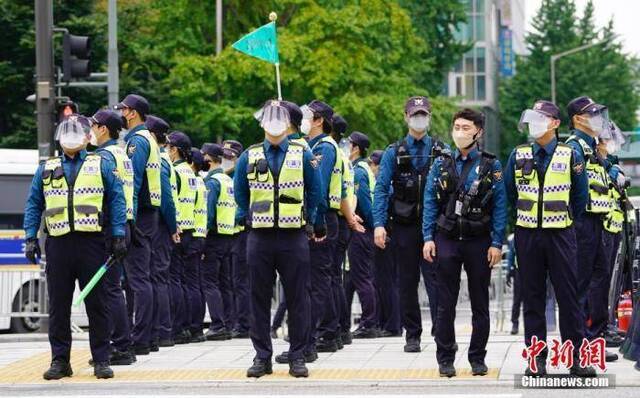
x: 179, y: 140
x: 359, y: 139
x: 197, y: 157
x: 376, y: 156
x: 339, y: 124
x: 295, y: 114
x: 156, y: 125
x: 135, y: 101
x: 232, y: 148
x: 321, y: 109
x: 417, y: 104
x: 213, y: 150
x: 548, y: 108
x: 583, y: 104
x: 108, y: 118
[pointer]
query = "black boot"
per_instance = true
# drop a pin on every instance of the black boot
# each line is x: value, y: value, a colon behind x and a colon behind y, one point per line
x: 197, y: 337
x: 446, y: 369
x: 347, y: 338
x: 218, y: 335
x: 260, y: 368
x: 413, y: 345
x: 58, y: 370
x: 239, y: 334
x: 297, y: 368
x: 514, y: 328
x: 365, y: 333
x: 541, y: 364
x: 323, y: 345
x: 479, y: 368
x: 166, y: 343
x: 579, y: 371
x: 118, y: 358
x: 101, y: 370
x: 141, y: 349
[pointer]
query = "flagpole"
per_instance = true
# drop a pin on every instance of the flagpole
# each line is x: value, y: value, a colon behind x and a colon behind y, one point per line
x: 272, y: 17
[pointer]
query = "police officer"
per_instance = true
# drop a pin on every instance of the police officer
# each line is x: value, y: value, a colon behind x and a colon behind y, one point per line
x: 361, y: 247
x: 274, y: 182
x: 399, y: 190
x: 197, y: 309
x: 82, y: 201
x: 239, y: 287
x: 143, y: 151
x: 164, y: 239
x: 386, y: 277
x: 105, y: 131
x: 295, y: 115
x: 547, y: 185
x: 513, y: 278
x: 464, y: 222
x: 183, y: 271
x: 588, y: 120
x: 219, y: 243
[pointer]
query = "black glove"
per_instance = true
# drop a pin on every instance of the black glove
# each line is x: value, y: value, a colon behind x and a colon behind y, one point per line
x: 32, y: 250
x: 308, y: 229
x: 320, y: 230
x: 510, y: 276
x: 118, y: 248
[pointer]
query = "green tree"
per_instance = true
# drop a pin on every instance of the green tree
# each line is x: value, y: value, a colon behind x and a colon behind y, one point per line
x: 604, y: 72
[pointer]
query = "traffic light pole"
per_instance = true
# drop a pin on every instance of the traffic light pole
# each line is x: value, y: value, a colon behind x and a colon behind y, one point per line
x: 45, y: 96
x: 112, y: 55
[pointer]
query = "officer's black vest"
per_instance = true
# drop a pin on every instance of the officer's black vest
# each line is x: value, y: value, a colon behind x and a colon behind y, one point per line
x: 408, y: 183
x: 475, y: 206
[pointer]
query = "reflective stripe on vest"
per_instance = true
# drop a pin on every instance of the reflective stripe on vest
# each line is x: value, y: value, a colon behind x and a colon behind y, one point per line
x: 266, y: 191
x: 186, y: 196
x: 226, y: 206
x: 200, y: 209
x: 172, y: 178
x: 85, y: 197
x: 614, y: 220
x: 554, y: 193
x: 337, y: 176
x: 124, y: 169
x: 599, y: 199
x: 372, y: 179
x: 152, y: 168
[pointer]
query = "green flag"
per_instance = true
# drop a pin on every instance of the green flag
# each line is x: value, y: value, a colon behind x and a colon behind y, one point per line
x: 262, y: 43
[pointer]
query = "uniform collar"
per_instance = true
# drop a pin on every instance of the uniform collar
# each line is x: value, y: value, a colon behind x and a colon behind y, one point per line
x: 284, y: 144
x: 586, y: 137
x: 315, y: 140
x: 108, y: 143
x: 549, y: 148
x: 411, y: 140
x: 82, y: 154
x: 177, y: 162
x: 134, y: 130
x: 474, y: 153
x: 360, y: 159
x: 210, y: 174
x: 295, y: 136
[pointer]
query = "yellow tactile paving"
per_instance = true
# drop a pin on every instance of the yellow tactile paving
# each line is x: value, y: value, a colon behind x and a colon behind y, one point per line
x: 29, y: 370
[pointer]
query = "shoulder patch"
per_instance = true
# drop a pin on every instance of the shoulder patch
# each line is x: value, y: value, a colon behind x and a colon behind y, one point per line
x: 314, y: 163
x: 578, y: 167
x: 488, y: 155
x: 497, y: 175
x: 131, y: 149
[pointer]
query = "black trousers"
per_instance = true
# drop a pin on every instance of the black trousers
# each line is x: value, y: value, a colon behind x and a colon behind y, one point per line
x: 361, y: 277
x: 217, y: 251
x: 285, y: 251
x: 452, y: 255
x: 71, y: 257
x: 517, y: 298
x: 554, y: 252
x: 240, y: 281
x: 386, y: 283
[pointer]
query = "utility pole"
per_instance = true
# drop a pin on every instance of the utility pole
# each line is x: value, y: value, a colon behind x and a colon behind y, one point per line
x: 218, y: 45
x: 45, y: 96
x: 113, y: 80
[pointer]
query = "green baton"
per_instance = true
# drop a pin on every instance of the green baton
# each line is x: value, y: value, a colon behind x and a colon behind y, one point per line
x: 94, y: 280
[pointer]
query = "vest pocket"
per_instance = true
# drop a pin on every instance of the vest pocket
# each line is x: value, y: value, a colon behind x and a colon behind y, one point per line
x: 53, y: 211
x: 261, y: 207
x: 602, y: 190
x: 555, y: 205
x: 525, y: 204
x: 86, y: 209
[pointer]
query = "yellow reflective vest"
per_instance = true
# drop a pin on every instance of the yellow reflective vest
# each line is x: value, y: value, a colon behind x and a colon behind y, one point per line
x: 186, y: 196
x: 75, y: 208
x: 614, y: 220
x: 125, y: 173
x: 543, y: 203
x: 599, y: 198
x: 276, y: 201
x: 372, y: 179
x: 152, y: 168
x: 339, y: 174
x: 226, y: 206
x: 200, y: 209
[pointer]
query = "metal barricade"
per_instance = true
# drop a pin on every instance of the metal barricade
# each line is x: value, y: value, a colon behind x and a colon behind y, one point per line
x: 23, y: 298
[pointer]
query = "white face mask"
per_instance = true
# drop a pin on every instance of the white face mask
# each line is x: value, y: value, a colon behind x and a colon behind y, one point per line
x: 72, y: 141
x: 305, y: 126
x: 597, y: 123
x: 462, y: 139
x: 227, y: 164
x: 93, y: 140
x: 537, y: 130
x: 275, y: 127
x: 612, y: 147
x: 419, y: 122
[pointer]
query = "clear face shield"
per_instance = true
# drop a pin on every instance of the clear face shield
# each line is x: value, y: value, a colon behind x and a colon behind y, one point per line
x: 273, y: 118
x: 534, y: 123
x: 307, y: 117
x: 72, y: 133
x: 612, y: 138
x: 599, y: 122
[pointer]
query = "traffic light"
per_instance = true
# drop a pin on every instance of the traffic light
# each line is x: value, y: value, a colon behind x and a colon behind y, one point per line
x: 76, y: 51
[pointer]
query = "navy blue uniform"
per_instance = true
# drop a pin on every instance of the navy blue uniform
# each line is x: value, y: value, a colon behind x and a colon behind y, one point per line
x: 406, y: 238
x: 284, y: 250
x: 161, y: 259
x: 138, y: 261
x: 361, y: 252
x: 468, y: 248
x: 77, y: 256
x: 550, y: 250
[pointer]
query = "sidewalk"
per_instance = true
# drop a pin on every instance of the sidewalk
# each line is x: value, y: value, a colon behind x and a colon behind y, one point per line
x: 365, y: 361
